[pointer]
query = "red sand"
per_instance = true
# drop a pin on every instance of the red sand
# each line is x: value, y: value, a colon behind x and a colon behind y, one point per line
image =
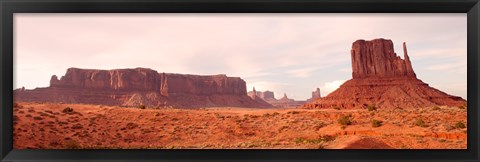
x: 45, y: 126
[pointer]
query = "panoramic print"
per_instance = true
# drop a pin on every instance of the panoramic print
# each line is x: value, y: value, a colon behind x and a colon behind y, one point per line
x: 240, y: 81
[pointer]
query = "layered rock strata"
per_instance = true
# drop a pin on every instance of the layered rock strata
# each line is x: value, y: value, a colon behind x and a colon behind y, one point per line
x: 141, y: 86
x: 381, y: 78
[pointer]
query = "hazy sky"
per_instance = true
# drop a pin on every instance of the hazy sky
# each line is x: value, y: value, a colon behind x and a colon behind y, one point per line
x: 284, y: 53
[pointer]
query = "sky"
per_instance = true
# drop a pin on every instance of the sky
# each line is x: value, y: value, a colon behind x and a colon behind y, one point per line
x: 285, y: 53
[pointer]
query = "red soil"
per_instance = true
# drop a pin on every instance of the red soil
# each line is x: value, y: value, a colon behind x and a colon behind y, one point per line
x: 46, y: 126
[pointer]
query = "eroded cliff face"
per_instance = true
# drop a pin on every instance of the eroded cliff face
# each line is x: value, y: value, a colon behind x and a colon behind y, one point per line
x: 139, y: 79
x: 141, y: 86
x: 376, y: 58
x: 383, y: 79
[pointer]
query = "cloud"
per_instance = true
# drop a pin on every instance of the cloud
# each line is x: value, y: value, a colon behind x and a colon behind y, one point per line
x: 329, y: 87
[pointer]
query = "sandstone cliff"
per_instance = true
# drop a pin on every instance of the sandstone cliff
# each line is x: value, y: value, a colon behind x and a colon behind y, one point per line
x: 383, y: 79
x: 377, y: 58
x: 141, y: 86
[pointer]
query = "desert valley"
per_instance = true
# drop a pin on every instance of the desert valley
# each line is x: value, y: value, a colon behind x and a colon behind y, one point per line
x: 383, y: 106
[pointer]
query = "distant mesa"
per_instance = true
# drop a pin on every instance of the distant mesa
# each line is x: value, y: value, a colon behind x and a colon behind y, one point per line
x: 269, y: 97
x: 142, y: 86
x: 383, y: 79
x: 315, y: 95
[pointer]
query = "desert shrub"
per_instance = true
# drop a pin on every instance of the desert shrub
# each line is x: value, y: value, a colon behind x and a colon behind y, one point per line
x: 67, y: 110
x: 276, y: 113
x: 436, y: 108
x: 282, y: 128
x: 141, y: 107
x: 266, y: 115
x: 54, y: 143
x: 16, y: 105
x: 376, y: 123
x: 37, y: 118
x: 131, y: 125
x: 319, y: 140
x: 420, y: 123
x: 293, y: 112
x: 448, y: 127
x: 460, y: 125
x: 371, y: 108
x: 299, y: 140
x: 336, y: 108
x: 321, y: 146
x: 327, y: 138
x: 77, y: 126
x: 344, y: 120
x: 461, y: 107
x: 72, y: 144
x: 319, y: 125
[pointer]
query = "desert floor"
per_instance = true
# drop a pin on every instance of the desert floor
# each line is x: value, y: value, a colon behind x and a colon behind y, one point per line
x: 46, y: 125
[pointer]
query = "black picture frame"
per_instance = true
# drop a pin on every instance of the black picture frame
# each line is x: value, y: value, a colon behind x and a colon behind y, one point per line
x: 9, y: 7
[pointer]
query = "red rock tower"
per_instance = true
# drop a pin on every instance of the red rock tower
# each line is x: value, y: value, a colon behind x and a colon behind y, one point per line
x: 407, y: 62
x: 377, y: 58
x: 383, y: 79
x: 254, y: 95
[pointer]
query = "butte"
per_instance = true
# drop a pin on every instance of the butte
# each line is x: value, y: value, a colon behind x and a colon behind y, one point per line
x: 381, y: 78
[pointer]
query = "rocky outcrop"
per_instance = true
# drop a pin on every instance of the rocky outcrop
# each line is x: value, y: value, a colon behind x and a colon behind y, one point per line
x: 315, y: 95
x: 286, y: 102
x: 382, y: 79
x: 141, y: 86
x: 377, y: 58
x: 268, y: 97
x: 141, y: 79
x: 285, y: 98
x: 258, y: 97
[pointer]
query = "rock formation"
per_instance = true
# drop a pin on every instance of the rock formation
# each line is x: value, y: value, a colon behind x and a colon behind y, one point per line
x: 383, y: 79
x: 287, y: 102
x: 141, y: 86
x: 268, y: 97
x: 377, y: 58
x: 285, y: 98
x: 315, y: 95
x: 259, y: 98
